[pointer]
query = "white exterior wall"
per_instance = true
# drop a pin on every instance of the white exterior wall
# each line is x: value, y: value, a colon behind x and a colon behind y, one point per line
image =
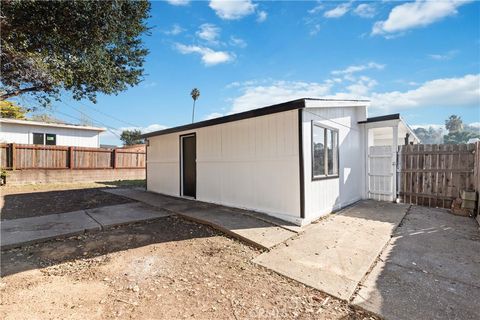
x: 251, y: 163
x: 21, y: 133
x: 326, y: 195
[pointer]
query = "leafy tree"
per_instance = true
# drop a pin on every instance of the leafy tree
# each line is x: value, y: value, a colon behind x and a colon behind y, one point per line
x: 460, y: 137
x: 195, y: 93
x: 131, y: 137
x: 83, y: 47
x: 430, y: 135
x: 11, y: 110
x: 457, y: 132
x: 454, y: 124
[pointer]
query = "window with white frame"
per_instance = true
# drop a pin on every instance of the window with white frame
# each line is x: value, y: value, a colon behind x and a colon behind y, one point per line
x: 324, y: 151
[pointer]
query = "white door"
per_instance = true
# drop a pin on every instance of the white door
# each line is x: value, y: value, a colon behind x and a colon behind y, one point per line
x: 381, y: 171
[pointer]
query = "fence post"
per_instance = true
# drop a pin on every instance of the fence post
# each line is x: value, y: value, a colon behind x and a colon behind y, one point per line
x: 114, y: 158
x: 70, y: 158
x: 12, y: 155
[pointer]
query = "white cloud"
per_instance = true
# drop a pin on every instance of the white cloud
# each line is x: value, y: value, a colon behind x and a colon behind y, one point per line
x: 447, y: 92
x: 209, y: 32
x: 153, y: 127
x: 237, y: 42
x: 261, y: 16
x: 150, y: 84
x: 475, y: 125
x: 111, y: 136
x: 316, y: 29
x: 175, y: 30
x: 361, y: 87
x: 426, y: 126
x: 416, y: 14
x: 338, y: 11
x: 446, y: 56
x: 233, y: 9
x: 279, y: 91
x: 365, y: 10
x: 353, y: 69
x: 209, y: 57
x: 213, y: 115
x: 319, y: 7
x: 178, y: 2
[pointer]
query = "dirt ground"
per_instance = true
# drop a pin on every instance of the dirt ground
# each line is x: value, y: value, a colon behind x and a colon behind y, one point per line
x: 37, y: 200
x: 167, y: 269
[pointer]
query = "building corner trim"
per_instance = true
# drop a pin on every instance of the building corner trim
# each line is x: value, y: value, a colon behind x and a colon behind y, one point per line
x: 301, y: 164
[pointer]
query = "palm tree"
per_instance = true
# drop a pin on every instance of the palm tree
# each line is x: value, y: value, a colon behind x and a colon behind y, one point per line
x: 195, y: 94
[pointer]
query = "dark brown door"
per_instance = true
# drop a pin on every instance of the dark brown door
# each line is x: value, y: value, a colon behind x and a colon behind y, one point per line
x: 189, y: 166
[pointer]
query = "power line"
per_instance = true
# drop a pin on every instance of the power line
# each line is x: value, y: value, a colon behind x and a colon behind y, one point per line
x: 70, y: 116
x: 108, y: 115
x: 86, y: 115
x: 111, y: 129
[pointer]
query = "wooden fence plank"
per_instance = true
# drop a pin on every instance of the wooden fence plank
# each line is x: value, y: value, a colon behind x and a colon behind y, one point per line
x: 434, y: 175
x: 19, y: 156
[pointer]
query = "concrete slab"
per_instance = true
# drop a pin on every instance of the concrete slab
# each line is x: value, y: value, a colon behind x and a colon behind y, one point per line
x: 334, y: 254
x: 395, y: 292
x: 430, y: 270
x: 24, y: 231
x: 238, y: 223
x: 250, y: 229
x: 125, y: 213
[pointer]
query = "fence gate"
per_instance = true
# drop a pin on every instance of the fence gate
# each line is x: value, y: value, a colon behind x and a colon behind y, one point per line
x: 434, y: 175
x: 381, y: 173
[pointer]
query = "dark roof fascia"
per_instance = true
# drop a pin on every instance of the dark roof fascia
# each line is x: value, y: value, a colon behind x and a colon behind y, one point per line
x: 286, y: 106
x: 333, y: 100
x: 395, y: 116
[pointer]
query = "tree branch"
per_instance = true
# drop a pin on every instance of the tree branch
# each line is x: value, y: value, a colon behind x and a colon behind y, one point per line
x: 19, y: 92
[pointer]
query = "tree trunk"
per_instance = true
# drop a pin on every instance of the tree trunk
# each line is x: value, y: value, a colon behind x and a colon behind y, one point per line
x: 193, y: 112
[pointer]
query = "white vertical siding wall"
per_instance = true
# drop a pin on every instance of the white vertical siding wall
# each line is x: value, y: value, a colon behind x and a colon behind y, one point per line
x: 14, y: 133
x: 324, y: 196
x: 251, y: 163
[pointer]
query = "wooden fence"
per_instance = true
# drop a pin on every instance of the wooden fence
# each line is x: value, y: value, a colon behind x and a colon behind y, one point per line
x: 26, y: 156
x: 434, y: 175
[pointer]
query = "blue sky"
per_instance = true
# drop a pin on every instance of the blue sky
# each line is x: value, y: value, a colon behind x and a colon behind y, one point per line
x: 419, y: 58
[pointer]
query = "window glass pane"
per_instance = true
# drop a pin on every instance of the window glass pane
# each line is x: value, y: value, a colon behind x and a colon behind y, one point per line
x: 38, y: 138
x: 330, y: 151
x: 51, y: 139
x: 318, y: 151
x: 335, y: 152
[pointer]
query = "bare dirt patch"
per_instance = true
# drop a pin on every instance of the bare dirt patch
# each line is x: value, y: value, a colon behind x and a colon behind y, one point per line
x: 167, y: 269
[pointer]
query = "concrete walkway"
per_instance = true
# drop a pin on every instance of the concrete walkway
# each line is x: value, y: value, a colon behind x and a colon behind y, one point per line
x: 251, y: 227
x: 429, y: 270
x: 18, y: 232
x: 334, y: 254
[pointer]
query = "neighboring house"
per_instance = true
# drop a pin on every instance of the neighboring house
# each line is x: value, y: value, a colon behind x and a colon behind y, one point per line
x: 43, y: 133
x: 296, y: 161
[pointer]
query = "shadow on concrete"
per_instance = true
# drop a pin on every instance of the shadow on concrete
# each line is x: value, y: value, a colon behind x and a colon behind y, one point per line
x: 95, y: 244
x: 140, y: 183
x: 430, y: 269
x: 33, y: 204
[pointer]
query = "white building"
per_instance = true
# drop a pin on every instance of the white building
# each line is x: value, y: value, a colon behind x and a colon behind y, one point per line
x: 296, y: 161
x: 43, y: 133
